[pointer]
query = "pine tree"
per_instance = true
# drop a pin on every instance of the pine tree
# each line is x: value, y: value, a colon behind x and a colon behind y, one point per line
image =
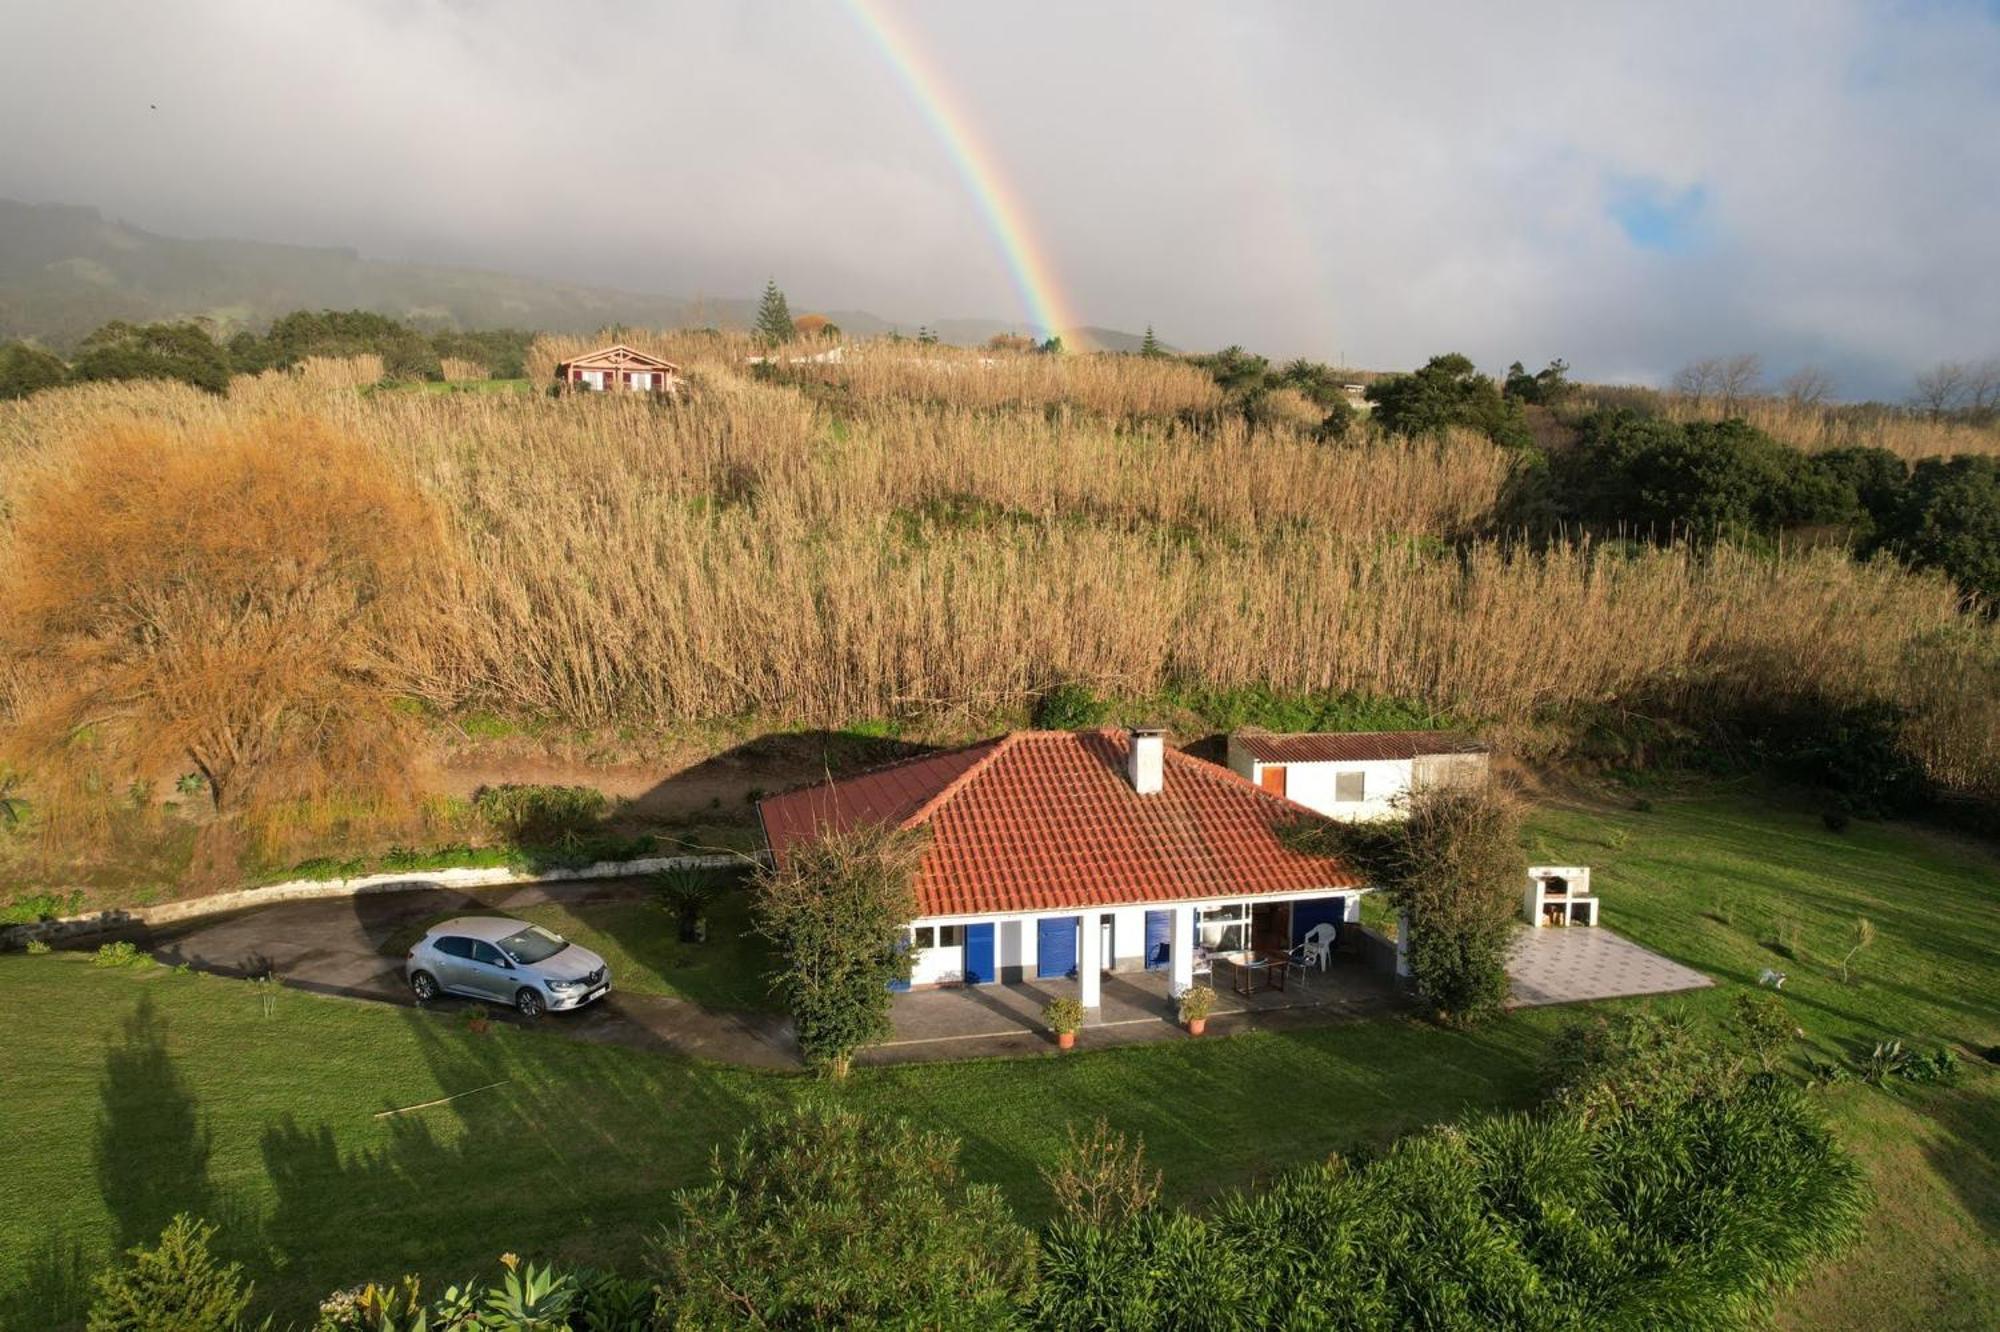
x: 774, y: 317
x: 1150, y: 345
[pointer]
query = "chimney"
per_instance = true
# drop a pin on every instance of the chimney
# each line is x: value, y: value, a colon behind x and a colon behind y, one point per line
x: 1145, y: 761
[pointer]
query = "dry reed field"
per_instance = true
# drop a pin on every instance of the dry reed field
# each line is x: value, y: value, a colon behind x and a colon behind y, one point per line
x: 761, y: 551
x: 1816, y: 429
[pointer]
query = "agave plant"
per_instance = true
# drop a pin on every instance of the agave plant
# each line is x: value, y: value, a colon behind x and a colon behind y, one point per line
x: 529, y: 1299
x: 1888, y: 1059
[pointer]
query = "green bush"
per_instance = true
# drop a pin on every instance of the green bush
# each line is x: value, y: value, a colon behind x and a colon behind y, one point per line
x: 541, y: 815
x: 31, y: 907
x: 835, y: 910
x: 123, y: 953
x: 1673, y: 1209
x: 1069, y: 707
x: 821, y: 1217
x: 177, y: 1286
x: 1453, y: 865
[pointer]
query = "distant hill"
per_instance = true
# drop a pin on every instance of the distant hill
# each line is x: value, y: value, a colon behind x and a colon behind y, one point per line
x: 66, y: 269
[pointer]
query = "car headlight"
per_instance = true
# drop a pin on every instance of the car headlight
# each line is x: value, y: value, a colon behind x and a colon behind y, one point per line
x: 565, y: 986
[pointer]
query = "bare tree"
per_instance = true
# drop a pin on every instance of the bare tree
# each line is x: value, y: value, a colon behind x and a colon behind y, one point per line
x: 1983, y: 393
x: 1808, y: 387
x: 1699, y: 380
x: 1741, y: 376
x: 1943, y: 388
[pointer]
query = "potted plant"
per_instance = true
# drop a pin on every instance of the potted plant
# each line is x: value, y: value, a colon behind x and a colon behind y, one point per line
x: 1064, y: 1016
x: 1197, y: 1002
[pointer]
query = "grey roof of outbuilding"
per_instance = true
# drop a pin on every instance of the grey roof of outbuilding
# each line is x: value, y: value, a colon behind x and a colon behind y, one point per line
x: 1353, y: 746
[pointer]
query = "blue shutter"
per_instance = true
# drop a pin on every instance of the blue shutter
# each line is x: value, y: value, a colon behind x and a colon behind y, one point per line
x: 979, y: 953
x: 1055, y: 946
x: 1159, y: 939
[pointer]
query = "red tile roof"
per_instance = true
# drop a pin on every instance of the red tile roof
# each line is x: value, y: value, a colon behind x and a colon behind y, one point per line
x: 1046, y: 820
x: 1353, y: 746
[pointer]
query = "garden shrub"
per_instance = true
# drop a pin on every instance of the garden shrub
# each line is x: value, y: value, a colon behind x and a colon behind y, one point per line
x: 1679, y: 1202
x: 529, y: 815
x: 176, y: 1286
x: 1069, y: 707
x: 835, y: 909
x: 123, y: 953
x: 1454, y: 865
x: 822, y: 1217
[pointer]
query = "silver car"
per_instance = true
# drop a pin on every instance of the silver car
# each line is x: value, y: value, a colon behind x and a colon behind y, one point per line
x: 508, y: 961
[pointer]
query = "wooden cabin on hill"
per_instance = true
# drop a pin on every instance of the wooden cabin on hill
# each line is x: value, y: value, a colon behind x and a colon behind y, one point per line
x: 620, y: 369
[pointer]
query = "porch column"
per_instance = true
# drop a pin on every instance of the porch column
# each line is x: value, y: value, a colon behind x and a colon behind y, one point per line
x: 1180, y: 950
x: 1089, y: 965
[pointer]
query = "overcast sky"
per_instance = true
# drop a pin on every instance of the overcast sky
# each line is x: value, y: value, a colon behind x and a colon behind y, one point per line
x: 1623, y: 185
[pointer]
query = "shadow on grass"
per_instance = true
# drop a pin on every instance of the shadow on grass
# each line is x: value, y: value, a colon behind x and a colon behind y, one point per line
x: 534, y: 1144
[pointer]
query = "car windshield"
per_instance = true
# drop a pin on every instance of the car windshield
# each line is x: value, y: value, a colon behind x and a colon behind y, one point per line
x: 532, y: 945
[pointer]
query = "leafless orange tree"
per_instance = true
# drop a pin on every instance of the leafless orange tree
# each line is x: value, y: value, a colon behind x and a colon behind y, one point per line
x: 216, y: 599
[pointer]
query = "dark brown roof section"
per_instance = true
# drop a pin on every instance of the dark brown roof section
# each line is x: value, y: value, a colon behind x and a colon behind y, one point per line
x: 1353, y: 746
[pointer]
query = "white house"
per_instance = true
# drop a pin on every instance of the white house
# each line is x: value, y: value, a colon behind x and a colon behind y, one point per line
x: 1355, y: 774
x: 1074, y: 853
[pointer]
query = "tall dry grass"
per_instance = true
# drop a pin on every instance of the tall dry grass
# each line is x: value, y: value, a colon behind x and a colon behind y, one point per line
x: 886, y: 370
x: 457, y: 369
x: 341, y: 372
x: 1816, y: 429
x: 758, y: 552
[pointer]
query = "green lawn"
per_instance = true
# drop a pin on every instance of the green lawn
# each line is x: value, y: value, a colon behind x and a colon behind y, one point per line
x: 641, y: 942
x: 129, y: 1094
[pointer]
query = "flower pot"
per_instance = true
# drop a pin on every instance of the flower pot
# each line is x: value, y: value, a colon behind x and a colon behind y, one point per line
x: 1196, y: 1026
x: 1066, y: 1040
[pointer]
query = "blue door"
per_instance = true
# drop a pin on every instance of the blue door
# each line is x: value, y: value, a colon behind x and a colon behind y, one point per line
x: 1316, y: 911
x: 979, y: 953
x: 1055, y: 946
x: 1159, y: 939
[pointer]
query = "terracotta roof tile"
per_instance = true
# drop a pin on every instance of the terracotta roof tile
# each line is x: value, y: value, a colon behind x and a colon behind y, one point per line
x: 1046, y: 820
x: 1353, y: 746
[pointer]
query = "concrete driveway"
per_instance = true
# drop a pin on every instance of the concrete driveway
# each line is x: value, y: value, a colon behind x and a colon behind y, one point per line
x: 347, y: 946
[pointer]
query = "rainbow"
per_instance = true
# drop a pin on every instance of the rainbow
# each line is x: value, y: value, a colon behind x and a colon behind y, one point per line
x: 1034, y: 276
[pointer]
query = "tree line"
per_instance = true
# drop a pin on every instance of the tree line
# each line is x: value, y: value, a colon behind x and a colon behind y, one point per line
x: 189, y: 352
x: 1632, y: 472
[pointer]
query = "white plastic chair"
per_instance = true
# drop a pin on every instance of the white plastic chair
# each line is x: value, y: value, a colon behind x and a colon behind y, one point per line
x: 1318, y: 945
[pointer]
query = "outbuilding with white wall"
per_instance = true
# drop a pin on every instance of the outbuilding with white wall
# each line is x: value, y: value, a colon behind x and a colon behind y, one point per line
x: 1354, y: 775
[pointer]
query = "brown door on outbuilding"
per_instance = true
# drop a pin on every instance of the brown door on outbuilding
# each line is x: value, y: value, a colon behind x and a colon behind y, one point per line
x: 1272, y: 778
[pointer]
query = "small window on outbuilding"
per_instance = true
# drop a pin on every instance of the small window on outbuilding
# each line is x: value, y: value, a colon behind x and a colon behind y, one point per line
x: 1350, y: 788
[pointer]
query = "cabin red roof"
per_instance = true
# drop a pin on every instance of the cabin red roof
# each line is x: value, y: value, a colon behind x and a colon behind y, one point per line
x: 1353, y: 746
x: 1047, y: 820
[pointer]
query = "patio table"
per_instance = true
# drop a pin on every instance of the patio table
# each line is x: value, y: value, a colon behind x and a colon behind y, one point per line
x: 1259, y: 971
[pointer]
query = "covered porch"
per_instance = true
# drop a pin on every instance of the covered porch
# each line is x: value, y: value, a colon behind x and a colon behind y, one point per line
x: 1132, y: 1008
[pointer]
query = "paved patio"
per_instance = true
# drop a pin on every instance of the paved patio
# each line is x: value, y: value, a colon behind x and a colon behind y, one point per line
x: 981, y: 1020
x: 1566, y: 966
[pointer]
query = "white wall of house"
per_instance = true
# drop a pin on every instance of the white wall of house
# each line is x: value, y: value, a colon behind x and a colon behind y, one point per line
x: 1317, y: 785
x: 1014, y: 936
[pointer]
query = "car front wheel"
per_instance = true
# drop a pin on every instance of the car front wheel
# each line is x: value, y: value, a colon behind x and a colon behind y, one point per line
x: 529, y: 1003
x: 424, y: 986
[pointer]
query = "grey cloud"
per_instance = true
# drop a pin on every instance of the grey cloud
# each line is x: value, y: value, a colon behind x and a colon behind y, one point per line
x: 1381, y: 181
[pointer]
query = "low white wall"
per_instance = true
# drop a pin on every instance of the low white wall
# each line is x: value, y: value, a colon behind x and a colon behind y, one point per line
x: 301, y: 890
